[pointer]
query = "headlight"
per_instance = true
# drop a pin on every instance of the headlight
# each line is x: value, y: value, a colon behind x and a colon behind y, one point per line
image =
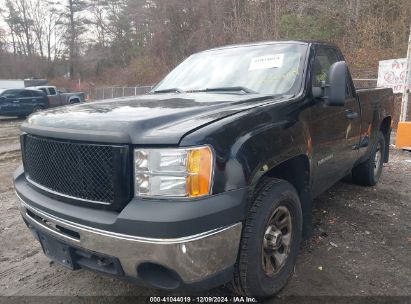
x: 185, y: 172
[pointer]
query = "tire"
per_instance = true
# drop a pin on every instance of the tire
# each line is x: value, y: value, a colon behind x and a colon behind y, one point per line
x: 254, y: 274
x: 37, y: 109
x: 369, y: 172
x: 73, y: 101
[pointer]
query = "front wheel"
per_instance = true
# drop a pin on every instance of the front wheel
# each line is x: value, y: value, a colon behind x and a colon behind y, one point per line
x: 270, y: 240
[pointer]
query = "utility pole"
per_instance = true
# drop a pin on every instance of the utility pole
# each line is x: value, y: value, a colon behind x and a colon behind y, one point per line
x: 407, y: 83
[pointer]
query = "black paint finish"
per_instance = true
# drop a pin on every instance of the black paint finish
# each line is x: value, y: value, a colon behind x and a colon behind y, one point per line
x: 251, y: 135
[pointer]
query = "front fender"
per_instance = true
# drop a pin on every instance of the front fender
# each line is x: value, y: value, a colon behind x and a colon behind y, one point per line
x: 250, y: 143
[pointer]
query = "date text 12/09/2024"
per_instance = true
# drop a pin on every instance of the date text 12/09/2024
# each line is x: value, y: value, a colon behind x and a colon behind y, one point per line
x: 202, y: 299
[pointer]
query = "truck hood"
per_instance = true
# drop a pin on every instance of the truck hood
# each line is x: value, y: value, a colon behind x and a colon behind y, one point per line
x: 146, y: 119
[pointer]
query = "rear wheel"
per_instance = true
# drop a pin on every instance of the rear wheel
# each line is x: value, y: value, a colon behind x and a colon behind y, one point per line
x: 37, y: 109
x: 369, y: 172
x: 270, y: 240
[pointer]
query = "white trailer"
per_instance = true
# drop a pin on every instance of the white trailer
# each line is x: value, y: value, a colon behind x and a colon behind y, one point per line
x: 11, y: 84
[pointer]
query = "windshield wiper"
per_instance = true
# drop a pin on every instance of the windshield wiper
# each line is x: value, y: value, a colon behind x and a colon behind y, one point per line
x: 226, y: 89
x: 219, y: 89
x: 172, y: 90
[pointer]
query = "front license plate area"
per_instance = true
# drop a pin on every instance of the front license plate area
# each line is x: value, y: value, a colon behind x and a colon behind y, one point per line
x: 56, y: 250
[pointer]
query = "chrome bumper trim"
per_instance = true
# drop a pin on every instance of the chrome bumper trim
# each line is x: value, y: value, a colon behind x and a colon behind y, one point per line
x: 62, y: 194
x: 194, y: 257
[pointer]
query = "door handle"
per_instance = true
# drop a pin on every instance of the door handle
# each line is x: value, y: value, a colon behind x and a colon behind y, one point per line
x: 350, y: 114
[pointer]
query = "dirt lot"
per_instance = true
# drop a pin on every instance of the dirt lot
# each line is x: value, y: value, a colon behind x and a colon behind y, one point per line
x: 361, y: 243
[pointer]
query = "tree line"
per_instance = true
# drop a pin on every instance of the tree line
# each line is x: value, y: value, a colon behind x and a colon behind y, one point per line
x: 135, y: 42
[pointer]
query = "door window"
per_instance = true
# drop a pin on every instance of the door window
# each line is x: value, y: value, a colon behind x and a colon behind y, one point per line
x: 25, y: 94
x: 323, y: 60
x: 52, y: 91
x: 11, y: 93
x: 37, y: 94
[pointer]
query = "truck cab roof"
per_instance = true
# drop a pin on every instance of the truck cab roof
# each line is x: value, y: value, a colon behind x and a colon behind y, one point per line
x: 305, y: 42
x: 41, y: 87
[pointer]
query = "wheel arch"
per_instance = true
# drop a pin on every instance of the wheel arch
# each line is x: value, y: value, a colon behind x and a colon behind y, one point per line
x: 296, y: 171
x: 74, y: 99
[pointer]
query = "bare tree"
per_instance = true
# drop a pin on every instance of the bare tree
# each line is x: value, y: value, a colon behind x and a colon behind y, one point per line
x: 137, y: 41
x: 75, y: 22
x: 26, y: 23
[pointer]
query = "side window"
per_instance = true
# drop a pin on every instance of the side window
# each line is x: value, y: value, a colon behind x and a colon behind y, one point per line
x: 36, y: 94
x: 25, y: 93
x: 11, y: 93
x: 323, y: 60
x: 44, y: 90
x: 52, y: 91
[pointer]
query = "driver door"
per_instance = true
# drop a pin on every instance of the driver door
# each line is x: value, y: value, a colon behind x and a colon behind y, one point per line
x: 336, y: 129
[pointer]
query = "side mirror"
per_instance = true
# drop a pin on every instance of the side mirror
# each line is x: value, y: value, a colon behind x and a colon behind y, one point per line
x: 335, y: 90
x: 318, y: 92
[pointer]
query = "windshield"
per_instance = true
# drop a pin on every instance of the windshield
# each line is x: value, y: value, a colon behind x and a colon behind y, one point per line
x: 266, y: 69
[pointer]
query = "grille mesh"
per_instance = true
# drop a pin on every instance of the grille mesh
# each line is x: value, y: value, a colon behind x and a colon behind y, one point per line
x: 79, y: 170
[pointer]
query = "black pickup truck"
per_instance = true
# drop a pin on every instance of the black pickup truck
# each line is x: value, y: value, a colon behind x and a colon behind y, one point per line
x: 209, y: 178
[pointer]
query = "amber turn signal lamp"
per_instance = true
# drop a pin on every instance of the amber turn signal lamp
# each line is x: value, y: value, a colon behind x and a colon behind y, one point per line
x: 200, y: 168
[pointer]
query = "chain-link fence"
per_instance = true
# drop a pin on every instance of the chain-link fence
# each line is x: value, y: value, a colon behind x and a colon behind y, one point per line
x: 114, y: 92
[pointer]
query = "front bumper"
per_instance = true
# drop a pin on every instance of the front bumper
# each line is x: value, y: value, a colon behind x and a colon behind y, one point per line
x: 192, y: 258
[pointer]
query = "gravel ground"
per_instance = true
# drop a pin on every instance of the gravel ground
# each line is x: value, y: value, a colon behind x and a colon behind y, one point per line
x: 361, y: 245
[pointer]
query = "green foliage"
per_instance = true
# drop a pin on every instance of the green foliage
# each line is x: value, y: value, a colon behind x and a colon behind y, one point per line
x: 308, y: 27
